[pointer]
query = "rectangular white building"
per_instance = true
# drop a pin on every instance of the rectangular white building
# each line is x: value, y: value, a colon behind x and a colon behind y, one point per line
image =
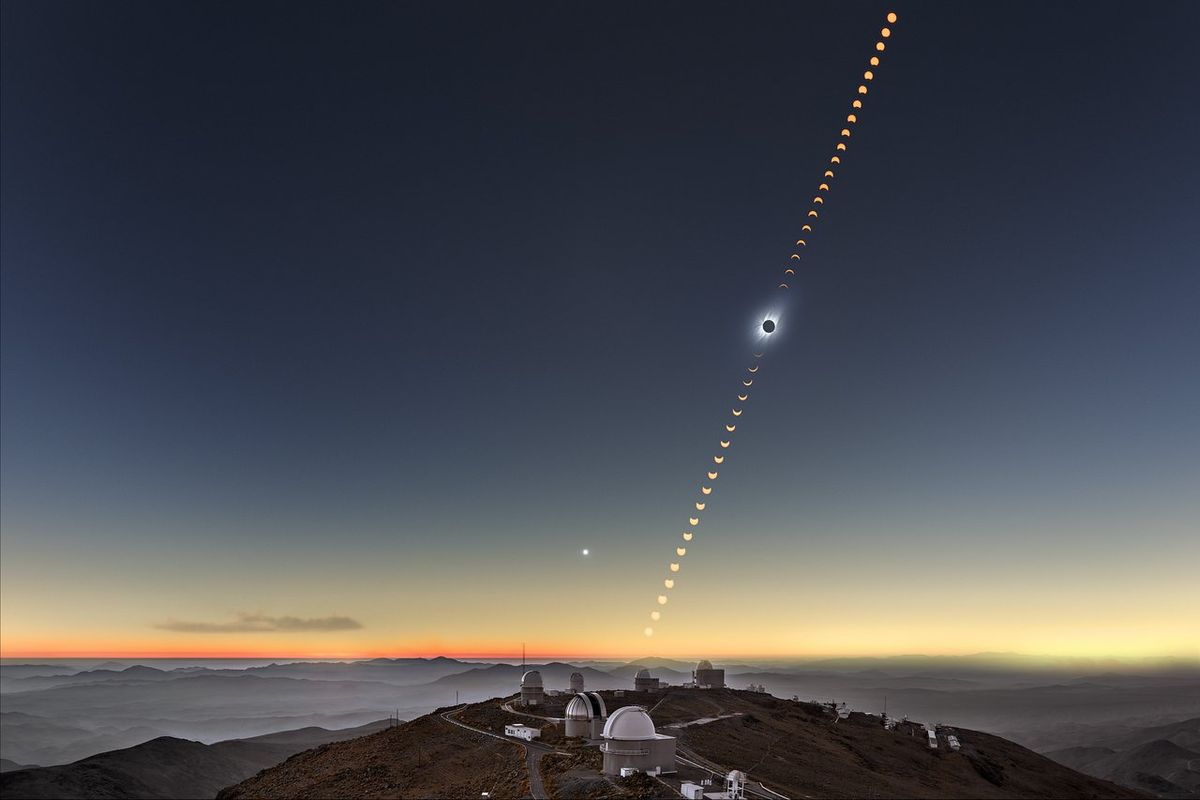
x: 522, y: 732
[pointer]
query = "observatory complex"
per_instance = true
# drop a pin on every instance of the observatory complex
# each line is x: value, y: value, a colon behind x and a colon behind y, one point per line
x: 631, y: 744
x: 627, y: 738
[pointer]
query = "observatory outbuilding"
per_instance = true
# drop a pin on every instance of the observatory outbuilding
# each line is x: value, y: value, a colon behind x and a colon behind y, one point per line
x: 532, y: 691
x: 644, y: 682
x: 630, y: 742
x: 585, y: 716
x: 706, y: 677
x: 576, y: 682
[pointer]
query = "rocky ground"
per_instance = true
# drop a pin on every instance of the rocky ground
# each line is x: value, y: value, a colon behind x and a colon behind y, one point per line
x: 425, y: 758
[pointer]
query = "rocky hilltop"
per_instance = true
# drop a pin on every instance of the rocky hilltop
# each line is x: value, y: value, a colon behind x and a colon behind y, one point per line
x: 796, y: 749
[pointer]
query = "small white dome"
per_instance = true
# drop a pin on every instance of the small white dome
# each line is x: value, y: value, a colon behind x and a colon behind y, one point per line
x: 705, y: 664
x: 629, y: 723
x: 737, y: 775
x: 531, y: 679
x: 642, y: 673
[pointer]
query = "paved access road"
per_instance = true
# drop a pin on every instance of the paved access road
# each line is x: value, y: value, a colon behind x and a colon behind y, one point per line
x: 533, y: 752
x: 718, y: 772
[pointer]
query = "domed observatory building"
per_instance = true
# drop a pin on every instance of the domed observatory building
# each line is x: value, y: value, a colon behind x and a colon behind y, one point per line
x: 586, y: 716
x: 576, y: 682
x: 643, y: 682
x: 706, y: 677
x: 631, y: 743
x: 532, y: 691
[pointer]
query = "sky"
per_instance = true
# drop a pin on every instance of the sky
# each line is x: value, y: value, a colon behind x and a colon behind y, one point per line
x: 342, y: 330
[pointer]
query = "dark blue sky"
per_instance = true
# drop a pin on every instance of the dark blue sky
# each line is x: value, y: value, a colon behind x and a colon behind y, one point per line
x: 445, y: 283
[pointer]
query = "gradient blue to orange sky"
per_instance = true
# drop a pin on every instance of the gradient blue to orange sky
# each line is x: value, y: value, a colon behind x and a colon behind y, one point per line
x: 382, y: 313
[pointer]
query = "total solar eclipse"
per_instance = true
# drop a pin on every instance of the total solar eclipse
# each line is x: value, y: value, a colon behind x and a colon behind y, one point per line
x: 768, y: 326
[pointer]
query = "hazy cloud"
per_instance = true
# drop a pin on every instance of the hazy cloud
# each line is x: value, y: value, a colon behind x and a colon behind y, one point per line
x: 261, y: 623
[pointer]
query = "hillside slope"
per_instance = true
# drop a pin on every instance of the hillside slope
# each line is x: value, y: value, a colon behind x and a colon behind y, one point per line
x: 425, y: 758
x: 1159, y: 767
x: 168, y: 767
x: 794, y: 748
x: 800, y: 750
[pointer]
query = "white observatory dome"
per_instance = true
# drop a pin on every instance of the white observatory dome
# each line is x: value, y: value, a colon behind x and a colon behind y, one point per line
x: 629, y: 723
x: 642, y: 673
x: 586, y: 706
x: 531, y: 679
x: 705, y: 664
x: 736, y: 775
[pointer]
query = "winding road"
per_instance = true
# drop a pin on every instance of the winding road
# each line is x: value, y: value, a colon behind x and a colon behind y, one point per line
x: 694, y: 759
x: 533, y: 751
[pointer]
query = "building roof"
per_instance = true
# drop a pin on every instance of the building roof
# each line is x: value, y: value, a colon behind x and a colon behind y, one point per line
x: 578, y: 708
x: 586, y: 706
x: 642, y: 673
x: 531, y: 679
x: 705, y: 664
x: 630, y: 723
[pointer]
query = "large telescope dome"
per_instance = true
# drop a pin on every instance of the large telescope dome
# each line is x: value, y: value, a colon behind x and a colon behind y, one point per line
x: 629, y: 723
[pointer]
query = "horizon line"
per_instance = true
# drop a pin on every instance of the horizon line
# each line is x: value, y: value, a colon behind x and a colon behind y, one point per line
x: 509, y: 657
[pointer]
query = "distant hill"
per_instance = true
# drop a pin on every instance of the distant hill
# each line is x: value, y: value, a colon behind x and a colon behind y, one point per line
x: 30, y: 739
x: 663, y: 673
x: 8, y: 765
x: 796, y: 749
x: 400, y: 671
x: 169, y: 768
x: 105, y: 710
x: 134, y: 673
x: 1185, y: 733
x: 656, y: 662
x: 504, y: 679
x: 1159, y: 766
x: 10, y: 672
